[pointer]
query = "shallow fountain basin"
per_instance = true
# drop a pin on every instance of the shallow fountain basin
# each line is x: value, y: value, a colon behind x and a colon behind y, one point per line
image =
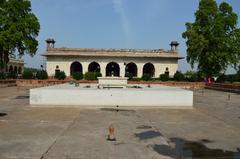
x: 112, y: 82
x: 90, y: 96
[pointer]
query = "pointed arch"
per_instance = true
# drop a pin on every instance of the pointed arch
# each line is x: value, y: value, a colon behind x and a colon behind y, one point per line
x: 75, y: 67
x: 94, y: 67
x: 131, y: 68
x: 112, y: 69
x: 149, y: 68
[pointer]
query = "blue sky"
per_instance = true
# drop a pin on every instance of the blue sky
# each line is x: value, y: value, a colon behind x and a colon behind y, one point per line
x: 149, y: 24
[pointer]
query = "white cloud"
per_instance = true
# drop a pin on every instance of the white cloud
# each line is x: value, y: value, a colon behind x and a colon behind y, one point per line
x: 119, y: 8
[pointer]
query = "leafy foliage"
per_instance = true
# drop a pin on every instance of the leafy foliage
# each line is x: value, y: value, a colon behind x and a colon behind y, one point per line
x: 77, y: 75
x: 27, y: 74
x: 60, y: 75
x: 213, y: 40
x: 135, y: 79
x: 193, y: 76
x: 42, y: 74
x: 92, y: 75
x: 222, y: 78
x: 11, y: 75
x: 228, y: 78
x: 2, y: 75
x: 19, y: 28
x: 146, y: 77
x: 129, y: 75
x: 164, y: 77
x: 233, y: 78
x: 178, y: 76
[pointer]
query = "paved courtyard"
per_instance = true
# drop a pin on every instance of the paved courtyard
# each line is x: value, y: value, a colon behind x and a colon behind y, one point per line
x: 210, y: 130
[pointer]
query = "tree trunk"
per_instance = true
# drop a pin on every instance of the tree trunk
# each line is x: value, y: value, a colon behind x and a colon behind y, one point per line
x: 4, y: 59
x: 1, y: 63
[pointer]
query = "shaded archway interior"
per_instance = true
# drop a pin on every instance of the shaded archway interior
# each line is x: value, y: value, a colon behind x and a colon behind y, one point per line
x: 19, y: 70
x: 15, y: 69
x: 131, y: 69
x: 75, y: 67
x: 149, y: 69
x: 11, y: 68
x: 94, y: 67
x: 112, y: 69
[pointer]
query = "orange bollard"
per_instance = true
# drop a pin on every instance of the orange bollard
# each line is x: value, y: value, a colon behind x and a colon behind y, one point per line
x: 111, y: 136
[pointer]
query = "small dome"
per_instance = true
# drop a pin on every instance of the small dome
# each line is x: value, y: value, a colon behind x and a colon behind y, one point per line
x: 50, y: 40
x: 174, y: 43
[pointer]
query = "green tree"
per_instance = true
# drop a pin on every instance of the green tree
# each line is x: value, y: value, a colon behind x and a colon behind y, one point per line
x: 19, y: 28
x: 213, y: 40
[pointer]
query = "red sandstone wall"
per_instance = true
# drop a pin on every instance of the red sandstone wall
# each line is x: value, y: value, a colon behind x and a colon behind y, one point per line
x: 7, y: 81
x: 234, y: 88
x: 42, y: 83
x: 176, y: 84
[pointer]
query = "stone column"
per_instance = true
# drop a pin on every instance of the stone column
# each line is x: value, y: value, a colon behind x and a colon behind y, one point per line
x: 139, y: 70
x: 85, y: 67
x: 103, y: 69
x: 22, y: 69
x: 50, y: 68
x: 67, y: 69
x: 122, y: 69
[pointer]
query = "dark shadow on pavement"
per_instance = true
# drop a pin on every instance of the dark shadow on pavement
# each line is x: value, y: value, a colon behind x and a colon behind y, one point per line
x: 192, y: 149
x: 148, y: 135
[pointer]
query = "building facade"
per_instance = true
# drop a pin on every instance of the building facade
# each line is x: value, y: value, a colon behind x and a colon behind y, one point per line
x: 15, y: 65
x: 112, y: 62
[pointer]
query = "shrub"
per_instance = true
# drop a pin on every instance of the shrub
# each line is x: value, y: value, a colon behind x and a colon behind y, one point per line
x: 60, y: 75
x: 129, y: 75
x: 228, y: 78
x: 201, y: 76
x: 27, y: 74
x: 42, y: 75
x: 232, y: 78
x: 155, y: 79
x: 135, y: 79
x: 178, y: 76
x: 238, y: 76
x: 146, y: 77
x: 92, y: 75
x: 2, y: 75
x: 238, y: 73
x: 12, y: 75
x: 164, y: 77
x: 222, y: 78
x: 98, y: 74
x: 77, y: 75
x: 192, y: 76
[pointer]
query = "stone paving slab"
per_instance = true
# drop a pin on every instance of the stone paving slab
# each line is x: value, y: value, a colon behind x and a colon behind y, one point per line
x: 211, y: 129
x: 92, y: 133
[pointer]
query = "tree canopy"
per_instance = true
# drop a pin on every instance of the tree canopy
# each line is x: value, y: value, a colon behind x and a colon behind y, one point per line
x: 213, y: 40
x: 19, y: 28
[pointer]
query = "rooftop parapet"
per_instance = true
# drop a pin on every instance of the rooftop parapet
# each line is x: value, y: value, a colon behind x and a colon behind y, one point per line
x: 111, y: 52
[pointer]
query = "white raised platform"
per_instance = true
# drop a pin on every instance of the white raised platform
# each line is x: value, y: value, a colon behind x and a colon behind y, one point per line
x: 111, y: 82
x: 155, y: 97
